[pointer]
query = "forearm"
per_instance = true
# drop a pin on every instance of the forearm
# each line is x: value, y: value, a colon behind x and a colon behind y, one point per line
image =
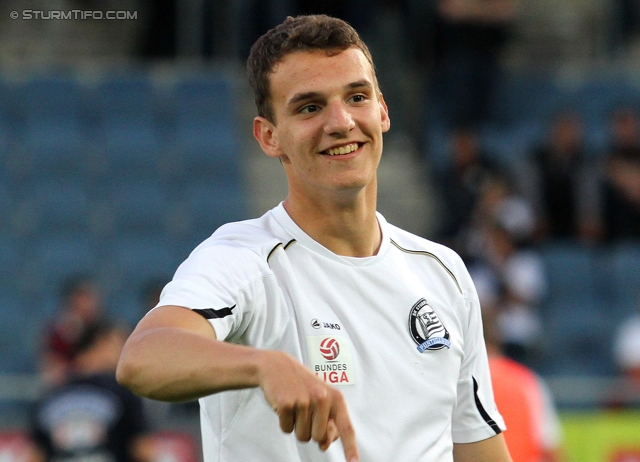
x: 173, y: 355
x: 169, y: 364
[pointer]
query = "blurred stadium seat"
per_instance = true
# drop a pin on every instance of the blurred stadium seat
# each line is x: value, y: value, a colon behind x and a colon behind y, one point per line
x: 116, y: 176
x: 597, y: 98
x: 8, y: 202
x: 4, y: 117
x: 579, y: 316
x: 126, y: 112
x: 578, y: 335
x: 212, y: 205
x: 139, y: 206
x: 59, y: 206
x: 507, y: 146
x: 204, y: 109
x: 60, y: 255
x: 132, y: 261
x: 571, y: 270
x: 18, y: 334
x: 529, y: 98
x: 212, y: 164
x: 53, y: 108
x: 10, y: 254
x: 45, y: 162
x: 621, y: 271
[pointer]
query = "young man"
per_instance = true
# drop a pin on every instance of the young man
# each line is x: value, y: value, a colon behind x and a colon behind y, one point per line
x: 320, y: 318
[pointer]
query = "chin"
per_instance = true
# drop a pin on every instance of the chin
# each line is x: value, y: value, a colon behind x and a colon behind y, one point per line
x: 352, y: 188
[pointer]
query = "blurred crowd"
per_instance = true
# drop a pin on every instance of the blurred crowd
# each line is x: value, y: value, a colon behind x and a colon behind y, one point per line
x: 497, y: 216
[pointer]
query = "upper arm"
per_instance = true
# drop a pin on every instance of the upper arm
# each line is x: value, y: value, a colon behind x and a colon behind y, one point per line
x: 175, y: 317
x: 161, y: 324
x: 162, y: 350
x: 492, y: 449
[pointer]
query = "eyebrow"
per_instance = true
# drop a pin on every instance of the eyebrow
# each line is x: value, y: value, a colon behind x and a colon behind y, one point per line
x: 360, y: 84
x: 299, y: 97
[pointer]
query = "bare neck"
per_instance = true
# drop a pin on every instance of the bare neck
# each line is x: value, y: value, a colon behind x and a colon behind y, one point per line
x: 347, y: 227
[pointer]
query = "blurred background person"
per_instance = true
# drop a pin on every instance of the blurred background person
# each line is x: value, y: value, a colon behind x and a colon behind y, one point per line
x: 91, y: 417
x: 470, y: 38
x: 501, y: 252
x: 627, y: 349
x: 622, y: 177
x: 563, y: 183
x: 459, y: 186
x: 626, y: 354
x: 158, y: 411
x: 534, y: 432
x: 80, y: 307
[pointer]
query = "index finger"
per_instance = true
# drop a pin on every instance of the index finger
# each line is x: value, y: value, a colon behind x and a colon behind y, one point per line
x: 345, y: 430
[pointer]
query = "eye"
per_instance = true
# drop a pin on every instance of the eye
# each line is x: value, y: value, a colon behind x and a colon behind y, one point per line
x: 358, y: 98
x: 310, y: 108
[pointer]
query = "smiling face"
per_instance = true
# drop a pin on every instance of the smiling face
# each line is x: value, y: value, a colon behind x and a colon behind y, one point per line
x: 329, y: 119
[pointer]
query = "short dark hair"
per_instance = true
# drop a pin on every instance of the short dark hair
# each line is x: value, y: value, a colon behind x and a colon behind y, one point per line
x: 302, y: 33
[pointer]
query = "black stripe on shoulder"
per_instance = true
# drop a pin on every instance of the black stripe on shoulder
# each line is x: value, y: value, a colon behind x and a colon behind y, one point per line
x: 210, y: 313
x: 284, y: 246
x: 429, y: 254
x: 487, y: 418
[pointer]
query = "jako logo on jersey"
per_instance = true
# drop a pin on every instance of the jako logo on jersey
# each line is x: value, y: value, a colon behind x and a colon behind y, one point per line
x: 316, y: 324
x: 330, y: 349
x: 426, y: 328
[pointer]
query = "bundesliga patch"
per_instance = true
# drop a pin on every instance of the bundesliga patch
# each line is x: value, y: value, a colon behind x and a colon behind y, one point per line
x: 426, y: 328
x: 330, y: 358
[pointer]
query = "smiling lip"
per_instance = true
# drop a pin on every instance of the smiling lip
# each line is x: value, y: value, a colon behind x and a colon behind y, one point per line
x: 342, y: 150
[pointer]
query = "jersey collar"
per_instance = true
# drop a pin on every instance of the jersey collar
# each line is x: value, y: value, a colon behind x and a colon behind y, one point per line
x: 283, y: 218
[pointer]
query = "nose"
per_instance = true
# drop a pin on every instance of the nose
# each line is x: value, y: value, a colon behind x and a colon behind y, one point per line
x: 339, y: 120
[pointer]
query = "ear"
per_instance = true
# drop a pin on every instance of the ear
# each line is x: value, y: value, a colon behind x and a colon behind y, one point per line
x: 264, y: 132
x: 384, y: 114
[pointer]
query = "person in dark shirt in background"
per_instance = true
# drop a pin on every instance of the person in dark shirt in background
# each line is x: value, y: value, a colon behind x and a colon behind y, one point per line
x: 471, y: 36
x: 91, y: 417
x: 622, y: 177
x: 461, y: 183
x: 562, y: 183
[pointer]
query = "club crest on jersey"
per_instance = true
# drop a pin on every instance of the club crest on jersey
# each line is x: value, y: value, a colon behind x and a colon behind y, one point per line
x: 426, y: 328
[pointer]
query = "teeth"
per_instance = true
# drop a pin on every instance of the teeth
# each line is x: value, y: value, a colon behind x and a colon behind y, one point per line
x: 343, y: 149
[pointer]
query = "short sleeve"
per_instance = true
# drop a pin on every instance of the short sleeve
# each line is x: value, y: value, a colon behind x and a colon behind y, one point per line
x: 210, y: 281
x: 235, y: 290
x: 476, y: 416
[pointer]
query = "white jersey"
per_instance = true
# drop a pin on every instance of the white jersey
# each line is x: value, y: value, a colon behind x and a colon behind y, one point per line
x: 398, y: 333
